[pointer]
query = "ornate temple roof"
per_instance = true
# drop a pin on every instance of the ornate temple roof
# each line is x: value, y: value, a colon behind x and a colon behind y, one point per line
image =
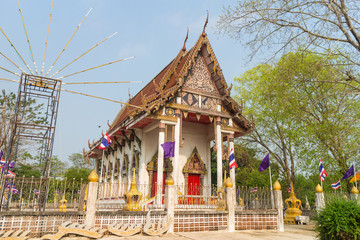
x: 165, y: 85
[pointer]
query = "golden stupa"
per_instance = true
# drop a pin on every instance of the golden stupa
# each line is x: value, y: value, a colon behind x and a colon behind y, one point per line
x: 293, y: 207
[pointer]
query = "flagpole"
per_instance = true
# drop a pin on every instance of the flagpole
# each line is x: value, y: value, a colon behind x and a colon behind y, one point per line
x: 101, y: 172
x: 355, y: 176
x: 271, y: 189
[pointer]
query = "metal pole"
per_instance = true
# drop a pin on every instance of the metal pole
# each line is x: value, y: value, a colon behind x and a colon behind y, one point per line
x: 271, y: 189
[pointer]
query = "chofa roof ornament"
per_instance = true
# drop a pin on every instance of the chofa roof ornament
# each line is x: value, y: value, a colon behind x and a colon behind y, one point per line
x: 206, y: 22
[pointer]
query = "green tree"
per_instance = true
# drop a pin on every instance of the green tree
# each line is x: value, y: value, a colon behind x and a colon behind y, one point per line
x: 77, y: 174
x: 27, y: 170
x: 32, y: 115
x: 247, y: 173
x: 299, y: 116
x: 79, y: 161
x: 281, y: 26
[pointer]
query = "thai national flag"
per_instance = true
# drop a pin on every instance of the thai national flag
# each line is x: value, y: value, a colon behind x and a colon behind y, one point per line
x: 322, y: 171
x: 105, y: 142
x: 36, y: 191
x: 232, y: 162
x: 289, y: 189
x: 254, y: 189
x: 336, y: 185
x: 10, y: 174
x: 14, y: 190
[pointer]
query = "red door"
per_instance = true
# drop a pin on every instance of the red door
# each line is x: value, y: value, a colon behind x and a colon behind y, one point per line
x: 154, y: 183
x: 194, y: 184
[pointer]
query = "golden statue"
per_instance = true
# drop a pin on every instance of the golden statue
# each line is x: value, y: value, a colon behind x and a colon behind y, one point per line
x: 293, y: 207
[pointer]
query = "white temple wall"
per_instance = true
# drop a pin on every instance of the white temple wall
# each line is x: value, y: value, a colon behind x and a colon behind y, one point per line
x: 194, y: 135
x: 151, y: 139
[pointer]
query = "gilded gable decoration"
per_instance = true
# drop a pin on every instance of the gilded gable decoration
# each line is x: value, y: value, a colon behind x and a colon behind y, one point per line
x: 200, y: 78
x: 195, y: 164
x: 152, y: 165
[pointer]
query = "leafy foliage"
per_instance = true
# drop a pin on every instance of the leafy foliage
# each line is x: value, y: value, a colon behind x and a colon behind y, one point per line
x: 78, y: 161
x: 32, y: 115
x: 340, y: 220
x: 281, y: 26
x: 299, y: 116
x: 77, y: 174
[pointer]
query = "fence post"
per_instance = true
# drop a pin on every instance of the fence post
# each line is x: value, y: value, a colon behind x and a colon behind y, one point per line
x: 320, y: 203
x: 230, y: 204
x: 354, y: 193
x: 279, y: 206
x: 170, y: 196
x: 91, y: 199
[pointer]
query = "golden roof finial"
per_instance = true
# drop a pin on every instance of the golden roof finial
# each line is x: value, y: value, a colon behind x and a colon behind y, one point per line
x: 318, y: 189
x: 186, y: 38
x: 206, y: 22
x: 277, y: 186
x: 93, y: 177
x: 354, y: 190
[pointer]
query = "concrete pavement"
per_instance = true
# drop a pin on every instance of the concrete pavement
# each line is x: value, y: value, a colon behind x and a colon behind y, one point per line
x: 293, y: 232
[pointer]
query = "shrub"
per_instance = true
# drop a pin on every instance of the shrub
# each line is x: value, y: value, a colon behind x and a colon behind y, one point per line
x: 340, y: 220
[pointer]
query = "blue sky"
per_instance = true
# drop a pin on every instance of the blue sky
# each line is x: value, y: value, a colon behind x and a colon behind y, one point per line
x: 152, y: 31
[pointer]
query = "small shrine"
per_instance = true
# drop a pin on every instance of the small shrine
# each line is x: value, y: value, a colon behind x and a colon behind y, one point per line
x: 293, y: 207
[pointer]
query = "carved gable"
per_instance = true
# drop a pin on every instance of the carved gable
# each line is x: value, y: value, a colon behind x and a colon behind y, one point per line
x: 199, y: 78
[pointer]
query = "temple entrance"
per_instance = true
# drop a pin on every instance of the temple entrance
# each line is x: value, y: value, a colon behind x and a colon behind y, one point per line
x: 194, y: 173
x: 194, y: 184
x: 152, y: 170
x: 154, y: 183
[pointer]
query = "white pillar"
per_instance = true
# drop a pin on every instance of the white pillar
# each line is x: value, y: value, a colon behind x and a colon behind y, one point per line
x: 106, y: 179
x: 230, y: 206
x: 131, y: 156
x: 319, y: 198
x: 113, y: 158
x: 279, y: 206
x: 232, y: 171
x: 122, y: 162
x: 160, y: 165
x: 90, y: 216
x: 142, y: 160
x: 218, y: 152
x: 170, y: 197
x: 177, y: 147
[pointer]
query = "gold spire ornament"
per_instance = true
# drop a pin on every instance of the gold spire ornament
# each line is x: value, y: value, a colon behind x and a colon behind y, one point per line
x: 133, y: 197
x: 293, y: 207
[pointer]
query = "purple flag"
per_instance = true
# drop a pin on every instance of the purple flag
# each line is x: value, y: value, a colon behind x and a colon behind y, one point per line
x: 1, y: 153
x: 265, y: 163
x: 169, y: 148
x: 350, y: 172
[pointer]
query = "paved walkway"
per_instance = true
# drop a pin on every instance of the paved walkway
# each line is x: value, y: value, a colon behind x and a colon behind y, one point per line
x: 293, y: 232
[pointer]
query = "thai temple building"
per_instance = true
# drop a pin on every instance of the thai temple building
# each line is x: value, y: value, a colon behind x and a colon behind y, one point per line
x: 188, y: 103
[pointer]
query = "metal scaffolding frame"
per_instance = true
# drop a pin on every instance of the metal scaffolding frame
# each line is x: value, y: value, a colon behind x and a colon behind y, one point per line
x: 42, y: 90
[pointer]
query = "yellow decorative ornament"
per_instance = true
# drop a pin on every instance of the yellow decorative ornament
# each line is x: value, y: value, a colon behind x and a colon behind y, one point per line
x: 133, y: 197
x: 293, y: 207
x: 228, y: 183
x: 93, y: 177
x: 318, y: 189
x: 63, y: 202
x: 354, y: 190
x: 169, y: 180
x: 277, y: 186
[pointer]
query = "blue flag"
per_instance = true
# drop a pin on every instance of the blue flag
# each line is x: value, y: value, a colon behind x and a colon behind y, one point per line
x: 350, y: 172
x: 265, y: 163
